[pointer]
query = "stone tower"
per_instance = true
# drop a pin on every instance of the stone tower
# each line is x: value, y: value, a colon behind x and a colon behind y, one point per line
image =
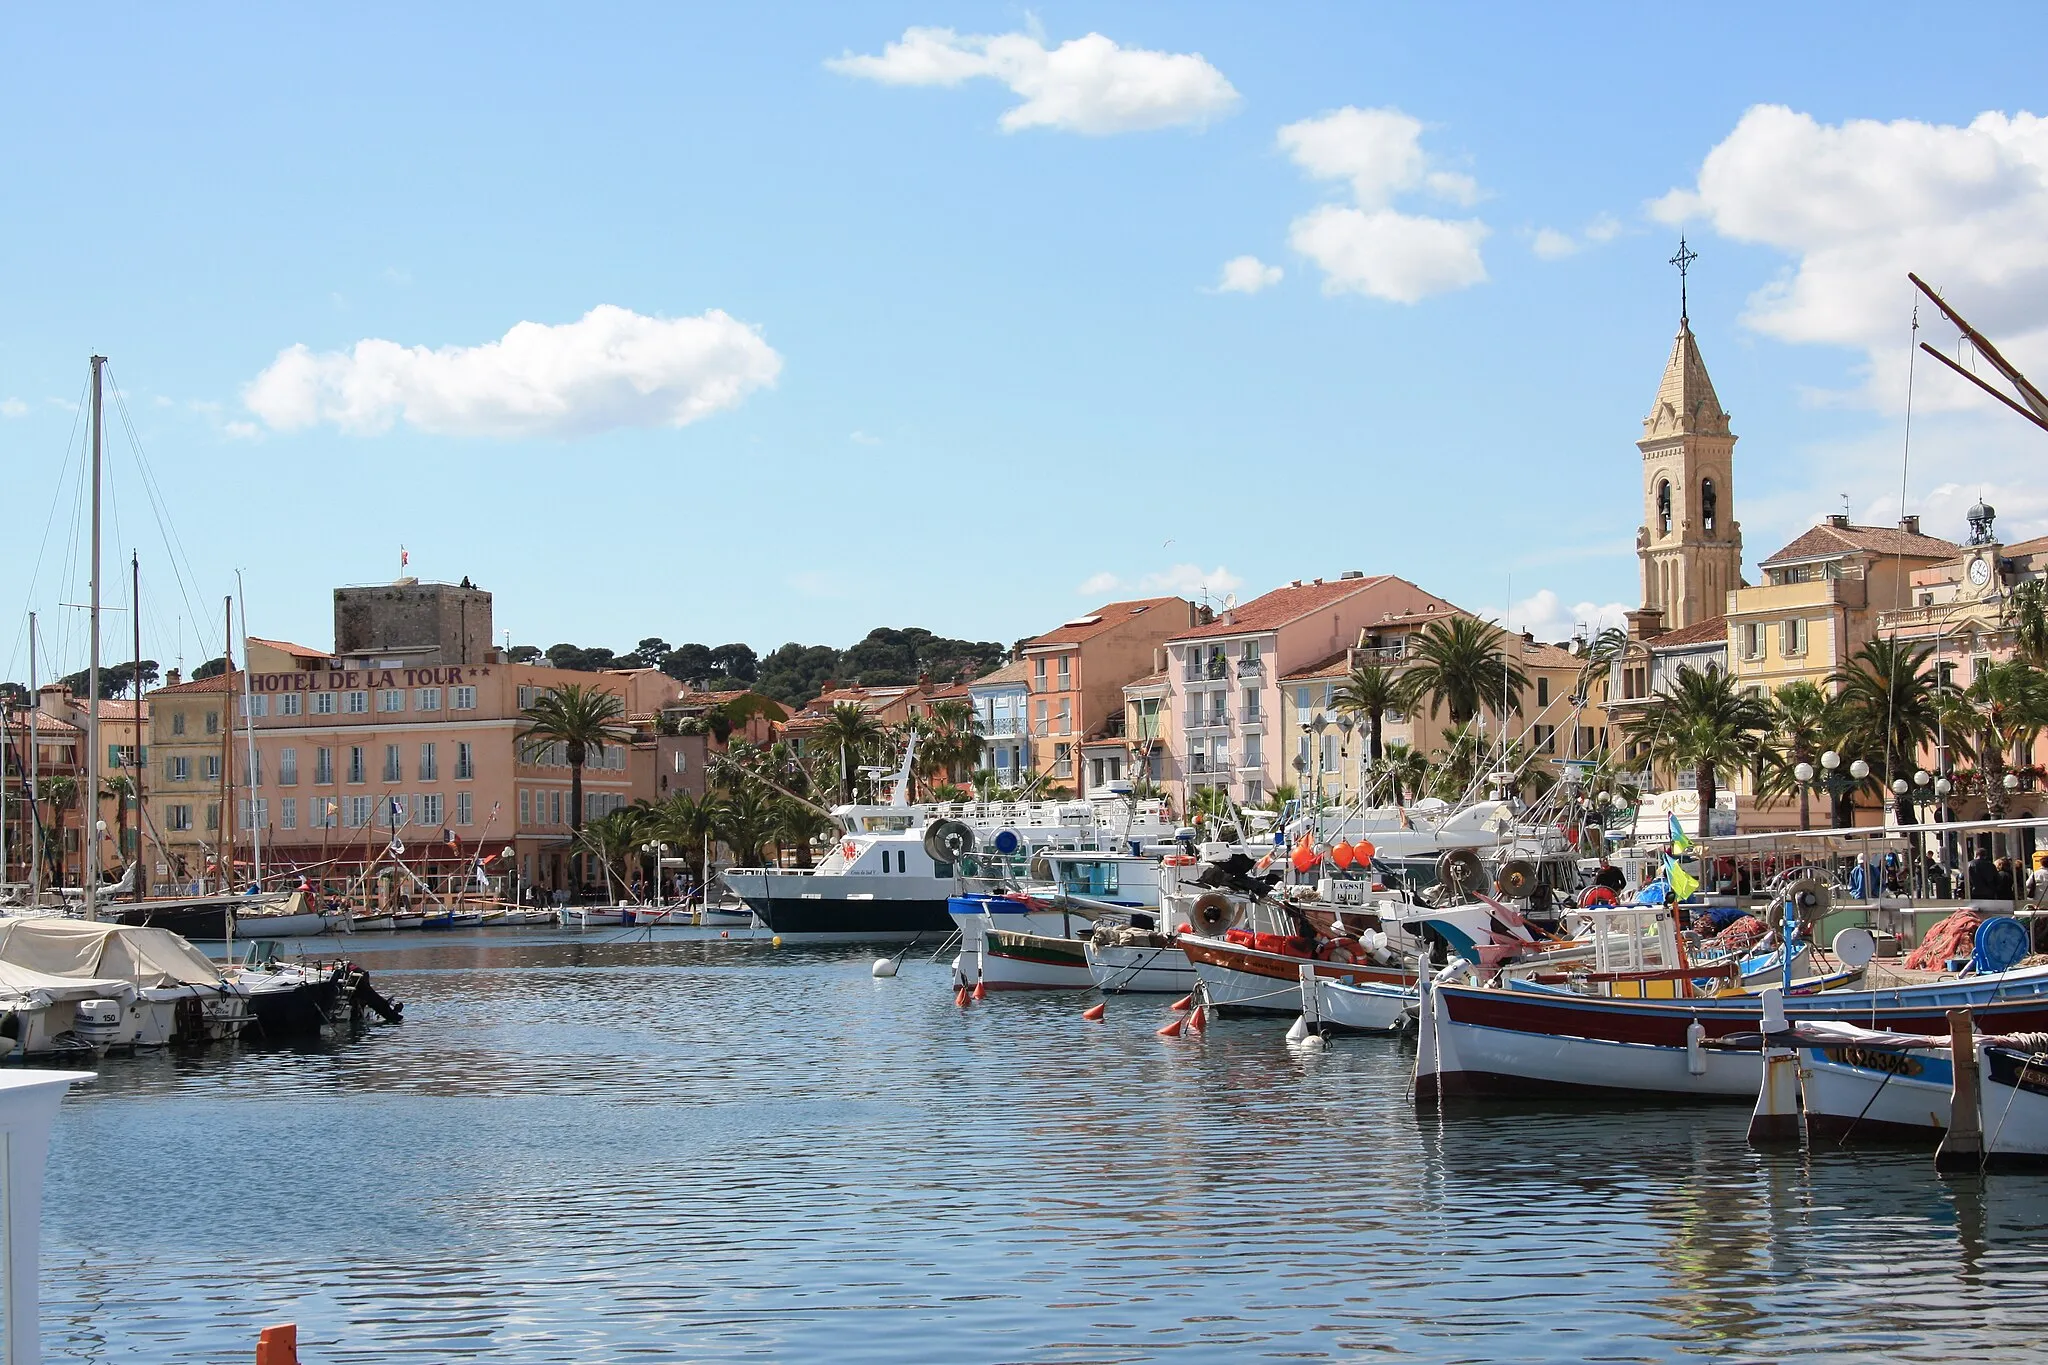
x: 1690, y: 544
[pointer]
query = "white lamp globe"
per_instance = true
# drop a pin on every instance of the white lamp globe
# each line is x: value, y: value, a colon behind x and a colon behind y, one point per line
x: 1804, y: 772
x: 1942, y: 786
x: 1901, y: 786
x: 2011, y: 784
x: 1831, y: 760
x: 1859, y: 770
x: 1921, y: 778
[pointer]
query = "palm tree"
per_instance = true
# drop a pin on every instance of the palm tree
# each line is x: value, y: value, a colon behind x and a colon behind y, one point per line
x: 613, y: 838
x: 1804, y: 722
x: 1888, y: 708
x: 58, y: 794
x: 685, y: 823
x: 1461, y: 664
x: 851, y: 730
x: 746, y: 820
x: 1370, y: 691
x: 1611, y: 785
x: 1211, y: 801
x: 1704, y: 722
x: 2029, y: 615
x: 583, y: 720
x: 799, y: 826
x: 119, y: 788
x: 953, y: 739
x: 1605, y: 650
x: 2001, y: 712
x: 1404, y: 768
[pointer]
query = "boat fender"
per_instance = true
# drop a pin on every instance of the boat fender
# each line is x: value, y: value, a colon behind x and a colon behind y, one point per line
x: 1696, y: 1048
x: 1597, y: 895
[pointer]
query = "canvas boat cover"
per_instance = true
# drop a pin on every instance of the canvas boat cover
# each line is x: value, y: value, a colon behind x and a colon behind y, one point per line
x: 76, y: 949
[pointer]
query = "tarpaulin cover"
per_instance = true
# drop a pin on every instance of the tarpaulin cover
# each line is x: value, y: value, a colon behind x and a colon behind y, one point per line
x: 77, y: 948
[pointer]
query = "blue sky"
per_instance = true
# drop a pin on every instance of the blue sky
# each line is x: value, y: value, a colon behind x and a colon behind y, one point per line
x: 944, y: 372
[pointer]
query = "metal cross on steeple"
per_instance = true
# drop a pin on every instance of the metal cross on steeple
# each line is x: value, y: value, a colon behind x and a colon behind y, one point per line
x: 1683, y: 260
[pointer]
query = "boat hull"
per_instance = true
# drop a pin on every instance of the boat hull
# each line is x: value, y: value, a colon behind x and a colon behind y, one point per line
x: 894, y: 907
x: 2013, y: 1087
x: 280, y: 926
x: 1368, y: 1008
x: 1013, y: 961
x: 1240, y: 980
x: 1853, y: 1094
x: 1488, y: 1042
x: 1151, y: 968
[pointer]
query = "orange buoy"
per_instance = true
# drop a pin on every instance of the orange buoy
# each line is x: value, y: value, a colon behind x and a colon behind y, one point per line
x: 1198, y: 1021
x: 1172, y: 1030
x: 1363, y: 852
x: 725, y: 933
x: 278, y: 1345
x: 981, y: 990
x: 1341, y: 855
x: 1094, y: 1013
x: 960, y: 997
x: 1186, y: 1002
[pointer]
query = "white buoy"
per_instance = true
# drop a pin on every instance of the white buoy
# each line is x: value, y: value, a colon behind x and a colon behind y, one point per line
x: 1300, y: 1029
x: 885, y: 966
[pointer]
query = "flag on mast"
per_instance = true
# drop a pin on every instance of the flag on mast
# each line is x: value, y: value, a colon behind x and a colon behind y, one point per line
x: 403, y: 559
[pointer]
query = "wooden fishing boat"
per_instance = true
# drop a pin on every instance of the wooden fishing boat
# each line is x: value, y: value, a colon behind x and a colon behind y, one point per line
x: 1133, y: 960
x: 1015, y: 960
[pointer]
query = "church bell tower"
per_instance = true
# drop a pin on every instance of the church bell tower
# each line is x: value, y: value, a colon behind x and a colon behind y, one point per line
x: 1690, y: 544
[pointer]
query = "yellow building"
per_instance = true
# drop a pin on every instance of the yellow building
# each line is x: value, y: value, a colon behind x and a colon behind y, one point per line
x: 1821, y: 597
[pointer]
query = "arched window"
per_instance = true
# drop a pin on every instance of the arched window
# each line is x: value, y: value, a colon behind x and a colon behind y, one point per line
x: 1707, y: 504
x: 1664, y: 507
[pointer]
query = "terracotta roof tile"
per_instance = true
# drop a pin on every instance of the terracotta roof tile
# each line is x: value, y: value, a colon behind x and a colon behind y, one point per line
x: 1698, y: 633
x: 1104, y: 618
x: 1282, y: 605
x: 1017, y: 672
x: 1322, y: 668
x: 1828, y: 540
x: 287, y: 647
x: 217, y: 683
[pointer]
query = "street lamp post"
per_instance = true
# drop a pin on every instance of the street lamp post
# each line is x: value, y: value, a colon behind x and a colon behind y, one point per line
x: 1802, y: 773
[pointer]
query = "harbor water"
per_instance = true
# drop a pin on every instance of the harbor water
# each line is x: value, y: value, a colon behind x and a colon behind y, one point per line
x: 608, y: 1147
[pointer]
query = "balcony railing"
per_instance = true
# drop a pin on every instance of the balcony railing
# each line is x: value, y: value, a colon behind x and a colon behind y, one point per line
x: 1210, y: 720
x: 1250, y: 668
x: 1006, y: 725
x: 1252, y: 718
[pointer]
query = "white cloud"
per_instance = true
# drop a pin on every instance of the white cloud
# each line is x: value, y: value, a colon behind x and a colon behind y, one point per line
x: 1085, y: 85
x: 611, y: 368
x: 1374, y: 248
x: 1856, y: 205
x: 243, y: 431
x: 1546, y: 616
x: 1390, y: 255
x: 1247, y: 275
x: 1181, y: 580
x: 1552, y: 245
x: 12, y: 407
x: 861, y: 438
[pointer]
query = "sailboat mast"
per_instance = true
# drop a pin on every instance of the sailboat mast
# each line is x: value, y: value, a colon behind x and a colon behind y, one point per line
x: 92, y: 682
x: 249, y: 739
x: 227, y: 749
x: 137, y: 862
x: 35, y: 775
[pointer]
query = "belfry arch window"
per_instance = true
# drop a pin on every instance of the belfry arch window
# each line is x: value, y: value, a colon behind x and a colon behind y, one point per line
x: 1708, y: 504
x: 1664, y: 507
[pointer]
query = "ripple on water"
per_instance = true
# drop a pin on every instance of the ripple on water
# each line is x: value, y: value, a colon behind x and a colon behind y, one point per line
x: 595, y: 1149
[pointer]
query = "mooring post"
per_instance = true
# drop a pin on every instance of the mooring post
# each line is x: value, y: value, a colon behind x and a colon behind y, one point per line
x: 1962, y: 1146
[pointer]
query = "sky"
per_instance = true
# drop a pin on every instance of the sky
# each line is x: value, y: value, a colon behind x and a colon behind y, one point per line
x: 772, y: 323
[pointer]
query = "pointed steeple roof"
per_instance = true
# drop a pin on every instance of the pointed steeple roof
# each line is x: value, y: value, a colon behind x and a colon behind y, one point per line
x: 1686, y: 404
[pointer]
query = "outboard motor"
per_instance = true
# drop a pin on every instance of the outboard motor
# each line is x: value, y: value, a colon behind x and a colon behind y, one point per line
x: 99, y: 1022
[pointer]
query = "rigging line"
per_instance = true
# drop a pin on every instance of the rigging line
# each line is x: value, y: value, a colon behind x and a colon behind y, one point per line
x: 174, y: 544
x: 1887, y: 797
x: 56, y: 500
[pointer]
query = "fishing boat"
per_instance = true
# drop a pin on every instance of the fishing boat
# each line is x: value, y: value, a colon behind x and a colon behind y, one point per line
x: 596, y: 916
x: 1331, y: 1005
x: 727, y: 915
x: 291, y: 916
x: 1136, y: 957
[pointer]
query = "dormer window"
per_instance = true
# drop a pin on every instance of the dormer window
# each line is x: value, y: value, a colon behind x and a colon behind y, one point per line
x: 1664, y: 507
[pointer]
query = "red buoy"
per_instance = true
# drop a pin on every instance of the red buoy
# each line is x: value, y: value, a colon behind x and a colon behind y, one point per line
x: 1198, y: 1021
x: 960, y: 997
x: 981, y: 990
x: 1094, y: 1012
x: 1182, y: 1005
x: 1172, y: 1030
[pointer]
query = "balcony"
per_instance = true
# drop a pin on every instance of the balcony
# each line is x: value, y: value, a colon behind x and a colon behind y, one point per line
x: 1253, y: 721
x: 1208, y: 722
x: 1251, y: 668
x: 1006, y: 726
x: 1250, y: 767
x: 1383, y: 656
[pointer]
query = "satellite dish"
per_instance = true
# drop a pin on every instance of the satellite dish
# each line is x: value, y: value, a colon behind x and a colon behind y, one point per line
x: 1459, y: 870
x: 946, y: 840
x: 1855, y: 946
x: 1230, y: 601
x: 1212, y: 915
x: 1516, y: 877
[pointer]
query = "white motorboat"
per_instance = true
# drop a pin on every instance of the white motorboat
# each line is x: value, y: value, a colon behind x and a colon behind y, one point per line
x: 71, y: 986
x: 726, y: 915
x: 1337, y: 1006
x: 596, y: 916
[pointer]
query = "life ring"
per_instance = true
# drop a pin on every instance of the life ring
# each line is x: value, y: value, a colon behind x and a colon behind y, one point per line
x: 1598, y: 895
x: 1344, y: 951
x: 1177, y: 860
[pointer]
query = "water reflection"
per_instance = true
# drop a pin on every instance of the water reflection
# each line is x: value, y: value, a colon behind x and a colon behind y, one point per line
x: 602, y: 1149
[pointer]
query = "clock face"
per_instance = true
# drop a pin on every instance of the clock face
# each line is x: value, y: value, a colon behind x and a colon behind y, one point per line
x: 1980, y: 571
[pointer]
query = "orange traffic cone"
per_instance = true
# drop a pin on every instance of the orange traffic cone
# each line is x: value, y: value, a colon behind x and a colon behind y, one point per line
x: 960, y: 997
x: 1186, y: 1002
x: 1094, y: 1013
x: 981, y: 990
x: 1172, y: 1030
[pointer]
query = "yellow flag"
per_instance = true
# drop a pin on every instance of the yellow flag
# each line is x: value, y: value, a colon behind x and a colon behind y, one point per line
x: 1683, y: 883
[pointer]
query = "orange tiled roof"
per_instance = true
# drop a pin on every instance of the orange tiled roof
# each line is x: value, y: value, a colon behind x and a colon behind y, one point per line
x: 1322, y: 668
x: 1091, y: 624
x: 219, y: 682
x: 1282, y: 605
x: 1698, y: 633
x: 287, y: 647
x: 1828, y: 539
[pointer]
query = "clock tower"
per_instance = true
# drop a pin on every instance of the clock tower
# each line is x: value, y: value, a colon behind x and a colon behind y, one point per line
x: 1689, y: 545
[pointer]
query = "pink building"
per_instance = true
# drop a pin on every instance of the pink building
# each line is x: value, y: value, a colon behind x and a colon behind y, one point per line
x: 1223, y: 678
